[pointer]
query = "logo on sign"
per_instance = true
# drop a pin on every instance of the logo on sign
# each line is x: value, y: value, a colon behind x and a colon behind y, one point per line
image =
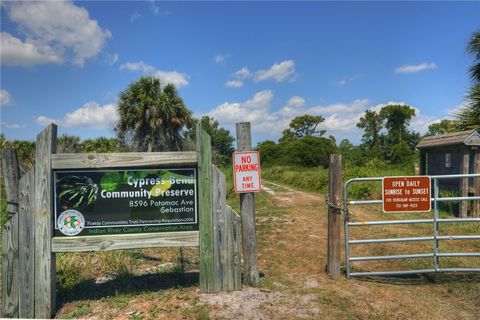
x: 71, y: 222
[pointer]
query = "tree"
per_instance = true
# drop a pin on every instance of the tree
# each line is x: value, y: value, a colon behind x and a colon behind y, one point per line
x: 306, y: 125
x: 68, y: 144
x: 152, y: 116
x: 222, y: 141
x: 469, y: 116
x: 269, y: 152
x: 101, y: 145
x: 371, y: 124
x: 397, y: 118
x: 442, y: 127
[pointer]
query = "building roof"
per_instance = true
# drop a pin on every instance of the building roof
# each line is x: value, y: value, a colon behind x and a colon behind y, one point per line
x: 467, y: 138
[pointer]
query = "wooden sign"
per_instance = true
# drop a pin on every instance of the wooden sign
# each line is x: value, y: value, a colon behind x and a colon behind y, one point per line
x: 246, y: 171
x: 125, y: 201
x: 406, y: 194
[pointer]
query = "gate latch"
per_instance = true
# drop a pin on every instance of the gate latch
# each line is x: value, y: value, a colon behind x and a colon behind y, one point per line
x: 334, y: 206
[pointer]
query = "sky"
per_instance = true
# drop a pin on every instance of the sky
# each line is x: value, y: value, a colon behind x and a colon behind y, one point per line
x: 262, y: 62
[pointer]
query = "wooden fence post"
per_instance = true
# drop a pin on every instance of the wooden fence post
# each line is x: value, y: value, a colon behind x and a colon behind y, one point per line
x: 44, y: 258
x: 204, y: 158
x: 334, y: 214
x: 247, y: 208
x: 10, y: 272
x: 26, y: 242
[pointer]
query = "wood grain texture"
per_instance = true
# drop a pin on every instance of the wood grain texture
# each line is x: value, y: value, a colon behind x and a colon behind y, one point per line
x: 44, y: 259
x: 334, y: 216
x: 10, y: 272
x: 247, y: 208
x: 204, y: 158
x: 125, y: 241
x: 26, y: 243
x: 131, y: 159
x: 219, y: 195
x: 234, y: 270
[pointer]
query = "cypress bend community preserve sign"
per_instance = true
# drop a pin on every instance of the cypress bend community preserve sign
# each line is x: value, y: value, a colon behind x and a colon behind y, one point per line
x: 96, y: 202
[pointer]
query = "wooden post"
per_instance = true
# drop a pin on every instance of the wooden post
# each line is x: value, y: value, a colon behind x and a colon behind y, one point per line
x: 44, y: 258
x: 334, y: 215
x: 226, y: 240
x: 204, y: 158
x: 219, y: 191
x: 10, y: 272
x: 26, y: 242
x: 247, y: 208
x: 464, y: 182
x: 476, y: 203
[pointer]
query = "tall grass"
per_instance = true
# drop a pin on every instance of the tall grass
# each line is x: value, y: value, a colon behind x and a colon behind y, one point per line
x: 316, y: 179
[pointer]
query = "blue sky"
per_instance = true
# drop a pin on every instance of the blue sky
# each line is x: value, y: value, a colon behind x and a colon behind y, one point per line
x: 264, y: 62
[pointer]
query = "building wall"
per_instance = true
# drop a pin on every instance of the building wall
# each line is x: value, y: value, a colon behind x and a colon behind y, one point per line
x: 436, y: 164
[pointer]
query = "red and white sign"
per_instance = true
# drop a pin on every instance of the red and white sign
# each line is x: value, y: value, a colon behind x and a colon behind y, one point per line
x: 406, y: 194
x: 246, y: 171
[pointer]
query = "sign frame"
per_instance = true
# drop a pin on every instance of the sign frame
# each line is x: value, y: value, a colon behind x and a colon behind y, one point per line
x: 404, y: 188
x: 256, y: 172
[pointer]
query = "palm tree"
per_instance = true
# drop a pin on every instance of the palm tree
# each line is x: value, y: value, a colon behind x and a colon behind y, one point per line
x: 469, y: 116
x: 151, y: 116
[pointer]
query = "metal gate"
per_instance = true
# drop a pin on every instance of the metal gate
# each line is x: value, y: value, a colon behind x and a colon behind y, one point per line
x: 435, y: 239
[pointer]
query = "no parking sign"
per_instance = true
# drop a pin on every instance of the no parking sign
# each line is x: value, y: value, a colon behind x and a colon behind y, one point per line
x: 246, y: 171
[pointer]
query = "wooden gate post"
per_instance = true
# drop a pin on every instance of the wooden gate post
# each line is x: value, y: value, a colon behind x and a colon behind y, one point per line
x: 204, y: 158
x: 10, y: 270
x: 247, y: 209
x: 44, y: 258
x: 334, y: 214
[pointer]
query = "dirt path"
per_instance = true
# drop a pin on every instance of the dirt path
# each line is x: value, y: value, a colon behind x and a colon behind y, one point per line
x: 292, y: 229
x: 292, y: 253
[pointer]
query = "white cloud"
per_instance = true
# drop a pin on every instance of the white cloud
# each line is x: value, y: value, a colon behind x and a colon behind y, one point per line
x: 348, y: 79
x: 178, y: 79
x: 15, y: 52
x: 280, y: 72
x: 296, y: 102
x: 243, y: 73
x: 154, y: 8
x: 13, y: 125
x: 5, y: 98
x: 415, y: 68
x: 55, y: 30
x: 113, y: 58
x: 135, y: 16
x: 253, y: 110
x: 137, y: 66
x: 234, y: 84
x: 220, y: 58
x: 90, y: 115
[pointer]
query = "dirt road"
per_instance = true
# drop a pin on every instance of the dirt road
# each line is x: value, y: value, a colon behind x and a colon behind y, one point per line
x: 292, y: 234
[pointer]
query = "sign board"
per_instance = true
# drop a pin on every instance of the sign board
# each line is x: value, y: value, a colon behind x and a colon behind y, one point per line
x: 94, y: 202
x: 246, y: 171
x: 406, y: 194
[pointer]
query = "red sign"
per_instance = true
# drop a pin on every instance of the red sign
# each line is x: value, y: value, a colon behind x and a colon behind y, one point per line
x: 406, y: 194
x: 246, y: 171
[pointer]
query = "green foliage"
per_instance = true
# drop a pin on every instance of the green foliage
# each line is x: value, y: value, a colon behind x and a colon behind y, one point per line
x: 101, y: 145
x: 469, y: 116
x: 308, y: 151
x: 442, y: 127
x: 371, y: 123
x: 386, y: 135
x: 303, y: 126
x: 68, y: 144
x: 152, y: 116
x: 222, y: 141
